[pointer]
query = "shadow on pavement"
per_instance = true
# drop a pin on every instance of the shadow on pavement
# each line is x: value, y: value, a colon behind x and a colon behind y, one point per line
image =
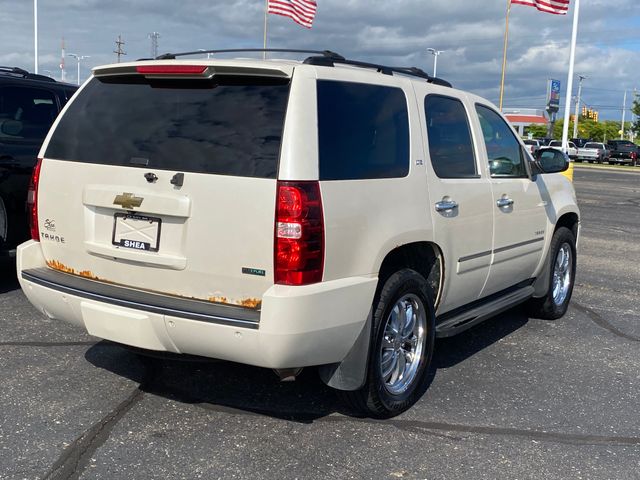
x: 8, y: 278
x: 232, y: 387
x: 453, y: 350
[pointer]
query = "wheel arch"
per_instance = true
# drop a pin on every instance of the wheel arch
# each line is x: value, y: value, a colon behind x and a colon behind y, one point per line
x: 425, y: 258
x: 570, y: 220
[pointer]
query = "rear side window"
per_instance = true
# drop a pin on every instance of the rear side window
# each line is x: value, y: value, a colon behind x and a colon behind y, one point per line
x: 363, y: 131
x: 450, y: 145
x: 26, y: 113
x: 225, y: 126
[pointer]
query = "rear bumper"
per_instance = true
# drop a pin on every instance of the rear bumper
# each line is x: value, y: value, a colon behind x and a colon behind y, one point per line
x: 296, y: 326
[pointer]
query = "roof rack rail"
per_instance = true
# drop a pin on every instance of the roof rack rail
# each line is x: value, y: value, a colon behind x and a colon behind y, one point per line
x: 17, y: 70
x: 25, y: 74
x: 384, y: 69
x: 325, y: 58
x: 172, y: 56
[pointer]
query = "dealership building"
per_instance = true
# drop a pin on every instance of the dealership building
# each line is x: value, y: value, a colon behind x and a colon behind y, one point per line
x: 523, y: 117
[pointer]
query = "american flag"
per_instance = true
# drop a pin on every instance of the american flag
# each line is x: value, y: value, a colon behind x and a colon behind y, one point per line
x: 300, y: 11
x: 557, y: 7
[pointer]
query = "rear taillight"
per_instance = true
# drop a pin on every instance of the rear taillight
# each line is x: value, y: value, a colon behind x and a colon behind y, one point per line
x: 32, y: 201
x: 299, y: 234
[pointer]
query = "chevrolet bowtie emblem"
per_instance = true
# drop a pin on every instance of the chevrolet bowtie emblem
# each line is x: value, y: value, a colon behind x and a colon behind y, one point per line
x: 127, y: 201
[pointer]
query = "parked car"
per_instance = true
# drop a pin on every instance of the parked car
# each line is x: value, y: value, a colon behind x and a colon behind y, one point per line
x: 572, y: 150
x: 28, y: 105
x: 594, y: 152
x: 533, y: 146
x: 327, y: 213
x: 623, y: 152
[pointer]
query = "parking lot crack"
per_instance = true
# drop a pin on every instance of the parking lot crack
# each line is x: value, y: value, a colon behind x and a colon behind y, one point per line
x: 77, y: 456
x: 601, y: 322
x: 538, y: 435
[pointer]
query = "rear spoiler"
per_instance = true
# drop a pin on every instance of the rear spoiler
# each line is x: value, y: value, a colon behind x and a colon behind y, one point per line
x: 175, y: 70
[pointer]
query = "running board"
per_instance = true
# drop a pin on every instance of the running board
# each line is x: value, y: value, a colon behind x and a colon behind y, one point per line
x: 468, y: 318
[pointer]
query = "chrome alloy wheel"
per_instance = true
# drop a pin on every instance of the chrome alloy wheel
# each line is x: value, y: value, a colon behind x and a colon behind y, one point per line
x: 562, y: 274
x: 403, y: 344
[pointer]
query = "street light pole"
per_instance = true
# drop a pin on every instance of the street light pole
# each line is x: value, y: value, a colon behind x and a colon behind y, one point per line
x: 575, y: 122
x: 624, y: 110
x: 435, y: 54
x: 78, y: 58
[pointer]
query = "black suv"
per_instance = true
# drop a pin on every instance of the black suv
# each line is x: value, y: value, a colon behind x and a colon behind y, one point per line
x: 29, y: 103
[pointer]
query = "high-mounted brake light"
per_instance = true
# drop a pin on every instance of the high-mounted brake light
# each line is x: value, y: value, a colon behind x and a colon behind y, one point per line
x: 32, y: 201
x: 171, y: 69
x: 299, y: 234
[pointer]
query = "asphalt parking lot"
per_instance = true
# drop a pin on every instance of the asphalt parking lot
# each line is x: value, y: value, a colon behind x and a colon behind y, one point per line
x: 513, y: 398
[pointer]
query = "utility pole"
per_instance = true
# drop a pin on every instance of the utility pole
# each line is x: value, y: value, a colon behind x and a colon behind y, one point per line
x: 154, y: 44
x: 118, y: 51
x: 575, y: 122
x: 624, y: 108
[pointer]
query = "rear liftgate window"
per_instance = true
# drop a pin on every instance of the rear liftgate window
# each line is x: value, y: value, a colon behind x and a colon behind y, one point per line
x: 363, y: 131
x: 225, y: 125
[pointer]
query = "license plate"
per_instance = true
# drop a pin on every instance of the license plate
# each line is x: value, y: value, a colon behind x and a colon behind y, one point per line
x: 137, y: 232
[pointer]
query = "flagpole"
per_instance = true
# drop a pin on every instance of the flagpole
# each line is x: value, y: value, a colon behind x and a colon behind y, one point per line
x: 35, y: 34
x: 504, y: 53
x: 572, y: 58
x: 266, y: 10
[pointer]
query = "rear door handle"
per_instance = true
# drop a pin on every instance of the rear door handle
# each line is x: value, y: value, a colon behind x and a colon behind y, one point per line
x: 504, y: 202
x: 446, y: 206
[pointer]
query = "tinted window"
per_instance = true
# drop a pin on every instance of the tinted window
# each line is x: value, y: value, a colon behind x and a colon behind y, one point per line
x: 230, y: 127
x: 531, y: 142
x: 450, y: 146
x: 26, y: 113
x: 503, y: 148
x: 363, y: 131
x: 593, y: 145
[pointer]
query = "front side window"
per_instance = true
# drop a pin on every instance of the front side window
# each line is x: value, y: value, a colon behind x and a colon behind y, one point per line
x: 363, y: 131
x: 26, y: 113
x: 503, y: 148
x: 449, y: 136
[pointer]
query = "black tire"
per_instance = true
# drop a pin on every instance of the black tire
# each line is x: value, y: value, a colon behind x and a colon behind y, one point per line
x: 375, y: 399
x: 554, y: 305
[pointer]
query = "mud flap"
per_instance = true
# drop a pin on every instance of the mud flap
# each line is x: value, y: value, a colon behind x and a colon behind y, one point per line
x: 541, y: 285
x: 351, y: 373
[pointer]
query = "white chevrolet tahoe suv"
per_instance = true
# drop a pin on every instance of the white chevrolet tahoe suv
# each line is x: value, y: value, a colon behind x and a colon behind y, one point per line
x: 283, y: 214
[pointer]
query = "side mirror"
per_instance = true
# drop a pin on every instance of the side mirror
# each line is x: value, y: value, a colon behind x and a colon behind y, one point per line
x: 550, y: 160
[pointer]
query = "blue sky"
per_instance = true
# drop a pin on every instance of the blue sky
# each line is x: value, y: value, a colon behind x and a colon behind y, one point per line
x: 397, y: 33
